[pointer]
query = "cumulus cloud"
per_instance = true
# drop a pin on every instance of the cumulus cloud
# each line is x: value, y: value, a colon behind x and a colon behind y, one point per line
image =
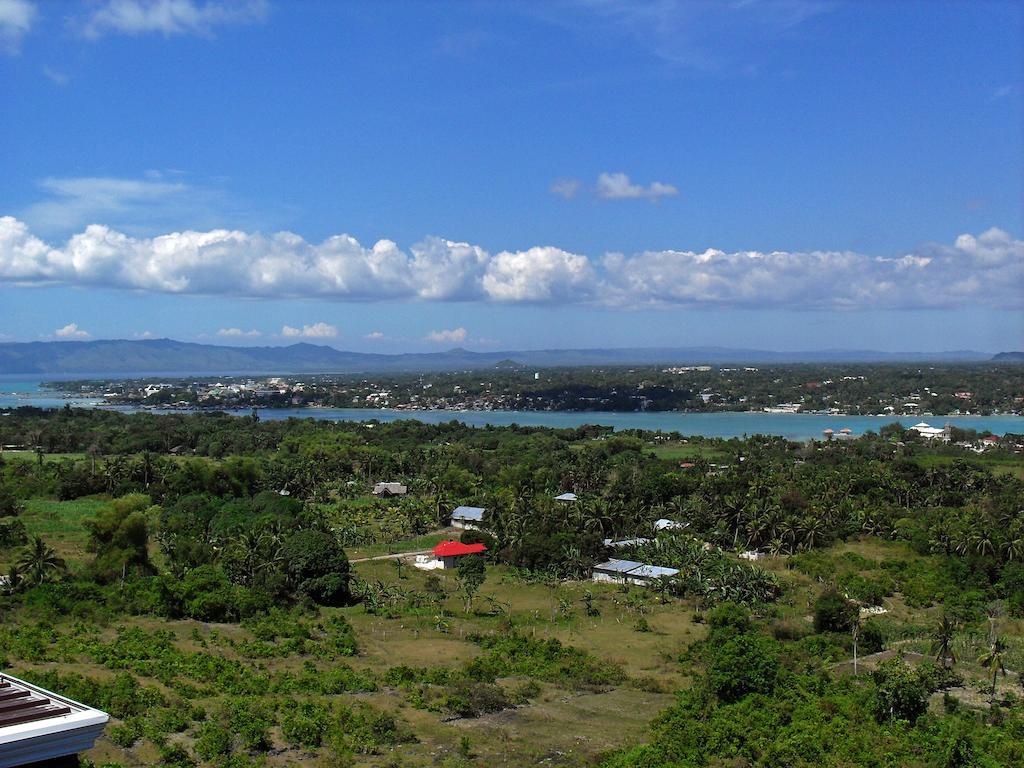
x: 617, y: 186
x: 238, y: 333
x: 456, y: 335
x: 16, y: 18
x: 539, y: 274
x: 987, y: 268
x: 170, y: 17
x: 314, y: 331
x: 71, y: 331
x: 374, y: 336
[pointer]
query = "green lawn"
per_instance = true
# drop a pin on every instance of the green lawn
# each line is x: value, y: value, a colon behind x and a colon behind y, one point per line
x: 426, y: 541
x: 998, y: 463
x: 677, y: 451
x: 47, y: 457
x: 62, y: 523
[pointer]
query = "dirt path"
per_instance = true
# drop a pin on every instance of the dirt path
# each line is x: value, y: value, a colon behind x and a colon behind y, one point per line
x: 395, y: 556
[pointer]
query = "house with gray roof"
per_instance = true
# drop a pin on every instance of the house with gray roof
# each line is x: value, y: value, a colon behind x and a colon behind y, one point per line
x: 467, y: 518
x: 630, y: 572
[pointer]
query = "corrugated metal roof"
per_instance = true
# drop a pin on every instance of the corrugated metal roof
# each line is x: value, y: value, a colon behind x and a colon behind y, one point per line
x: 37, y: 725
x: 626, y: 542
x: 653, y: 572
x: 468, y: 513
x: 618, y: 566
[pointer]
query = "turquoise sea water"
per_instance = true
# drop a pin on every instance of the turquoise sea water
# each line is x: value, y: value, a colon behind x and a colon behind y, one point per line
x: 795, y: 426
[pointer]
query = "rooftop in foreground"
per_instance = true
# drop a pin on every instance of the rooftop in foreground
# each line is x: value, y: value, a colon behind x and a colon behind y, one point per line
x: 38, y: 725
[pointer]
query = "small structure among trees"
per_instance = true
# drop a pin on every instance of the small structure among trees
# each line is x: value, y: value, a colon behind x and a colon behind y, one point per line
x: 467, y: 518
x: 384, y: 490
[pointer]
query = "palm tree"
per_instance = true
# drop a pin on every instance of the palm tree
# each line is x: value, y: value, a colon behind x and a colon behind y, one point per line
x: 40, y: 562
x: 15, y: 580
x: 994, y: 660
x: 942, y: 640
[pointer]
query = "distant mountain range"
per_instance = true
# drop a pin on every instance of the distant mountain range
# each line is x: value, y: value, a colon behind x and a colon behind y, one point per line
x: 165, y: 356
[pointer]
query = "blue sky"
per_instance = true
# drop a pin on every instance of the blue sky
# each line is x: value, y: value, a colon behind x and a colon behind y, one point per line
x: 397, y: 176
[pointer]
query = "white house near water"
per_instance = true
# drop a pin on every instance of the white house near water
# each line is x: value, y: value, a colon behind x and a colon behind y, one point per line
x: 929, y: 432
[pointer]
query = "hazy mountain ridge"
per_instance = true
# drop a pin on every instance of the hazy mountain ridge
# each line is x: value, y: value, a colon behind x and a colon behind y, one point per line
x: 167, y: 355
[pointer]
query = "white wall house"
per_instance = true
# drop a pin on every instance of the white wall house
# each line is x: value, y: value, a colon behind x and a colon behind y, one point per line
x: 630, y: 572
x: 468, y: 518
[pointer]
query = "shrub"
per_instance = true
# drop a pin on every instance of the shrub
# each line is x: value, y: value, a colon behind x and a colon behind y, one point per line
x: 871, y: 639
x: 729, y: 619
x: 833, y: 613
x: 317, y: 567
x: 213, y: 740
x: 12, y: 532
x: 469, y: 698
x: 901, y: 692
x: 748, y: 663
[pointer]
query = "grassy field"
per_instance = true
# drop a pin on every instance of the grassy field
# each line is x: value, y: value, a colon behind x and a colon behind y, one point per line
x: 998, y: 463
x: 60, y: 523
x: 683, y: 451
x: 557, y: 725
x: 47, y: 457
x: 427, y: 541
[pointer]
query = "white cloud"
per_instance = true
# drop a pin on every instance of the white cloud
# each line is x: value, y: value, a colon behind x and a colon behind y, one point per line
x: 55, y: 75
x: 1002, y: 92
x: 617, y: 186
x: 74, y: 202
x: 539, y: 274
x: 374, y: 336
x: 170, y: 17
x: 703, y: 36
x: 238, y: 333
x: 16, y: 18
x: 566, y: 188
x: 314, y: 331
x: 144, y: 335
x: 456, y: 335
x: 71, y: 331
x: 979, y: 269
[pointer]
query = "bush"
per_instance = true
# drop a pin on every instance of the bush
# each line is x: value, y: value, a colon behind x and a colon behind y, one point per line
x: 317, y: 567
x: 748, y: 663
x: 729, y: 619
x: 205, y: 593
x: 470, y: 536
x: 469, y: 698
x: 834, y: 613
x: 12, y: 532
x: 871, y: 639
x: 213, y: 740
x: 901, y: 692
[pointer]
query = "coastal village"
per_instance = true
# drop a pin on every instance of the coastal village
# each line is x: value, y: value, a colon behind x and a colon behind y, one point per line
x: 822, y: 389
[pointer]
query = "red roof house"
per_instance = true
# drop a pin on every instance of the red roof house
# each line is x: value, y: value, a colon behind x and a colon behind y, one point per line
x: 458, y: 549
x: 447, y: 553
